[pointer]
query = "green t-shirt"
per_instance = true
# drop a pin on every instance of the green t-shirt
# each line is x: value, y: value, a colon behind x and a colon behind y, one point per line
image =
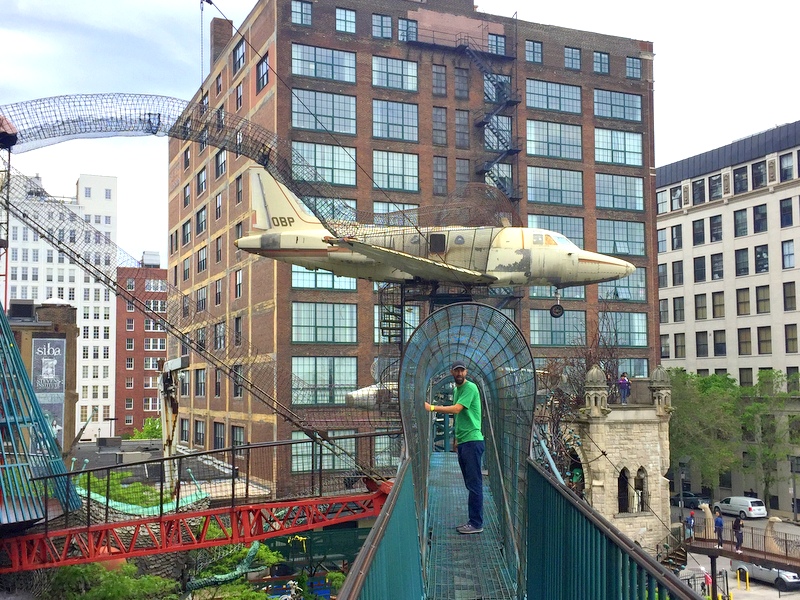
x: 468, y: 421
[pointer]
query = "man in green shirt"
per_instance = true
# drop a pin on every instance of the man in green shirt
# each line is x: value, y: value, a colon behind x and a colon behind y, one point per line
x: 470, y: 445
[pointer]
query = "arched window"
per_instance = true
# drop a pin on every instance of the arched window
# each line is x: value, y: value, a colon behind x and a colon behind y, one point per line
x: 642, y: 500
x: 623, y: 494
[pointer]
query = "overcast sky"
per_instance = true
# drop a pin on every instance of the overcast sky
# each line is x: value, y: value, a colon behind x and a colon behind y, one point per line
x: 722, y: 72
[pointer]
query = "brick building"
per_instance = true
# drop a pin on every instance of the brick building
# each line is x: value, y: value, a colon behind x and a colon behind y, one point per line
x: 398, y: 103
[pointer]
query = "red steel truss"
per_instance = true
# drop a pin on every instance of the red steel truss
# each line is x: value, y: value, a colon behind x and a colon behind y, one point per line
x: 183, y: 531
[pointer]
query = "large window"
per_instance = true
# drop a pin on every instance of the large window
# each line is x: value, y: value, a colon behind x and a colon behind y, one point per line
x: 334, y: 164
x: 395, y: 120
x: 399, y: 214
x: 569, y: 330
x: 497, y: 135
x: 382, y: 26
x: 555, y: 186
x: 624, y: 329
x: 533, y: 51
x: 303, y: 278
x: 572, y: 227
x: 572, y: 58
x: 323, y: 379
x: 556, y: 140
x: 619, y: 191
x: 345, y: 20
x: 762, y: 258
x: 319, y: 322
x: 461, y: 76
x: 618, y: 147
x: 633, y: 67
x: 632, y: 288
x: 617, y: 105
x: 620, y: 237
x: 462, y: 129
x: 699, y: 269
x: 395, y: 171
x: 323, y: 63
x: 394, y: 73
x: 323, y: 112
x: 547, y: 95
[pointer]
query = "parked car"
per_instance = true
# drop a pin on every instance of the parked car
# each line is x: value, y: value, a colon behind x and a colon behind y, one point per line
x: 690, y: 500
x: 783, y: 580
x: 746, y: 508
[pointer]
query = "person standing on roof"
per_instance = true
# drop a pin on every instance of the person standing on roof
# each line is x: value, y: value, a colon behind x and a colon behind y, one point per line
x: 624, y: 386
x: 470, y: 444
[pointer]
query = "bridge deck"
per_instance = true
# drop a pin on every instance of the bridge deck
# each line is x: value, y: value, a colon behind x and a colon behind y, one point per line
x: 462, y: 567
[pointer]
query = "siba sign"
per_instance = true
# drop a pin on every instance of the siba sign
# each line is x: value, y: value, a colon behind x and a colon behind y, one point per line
x: 49, y: 349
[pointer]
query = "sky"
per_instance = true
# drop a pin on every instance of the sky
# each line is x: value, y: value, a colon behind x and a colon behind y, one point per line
x: 721, y: 73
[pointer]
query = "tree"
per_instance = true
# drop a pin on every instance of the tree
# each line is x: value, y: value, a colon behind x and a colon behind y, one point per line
x: 151, y: 430
x: 95, y: 582
x: 705, y: 426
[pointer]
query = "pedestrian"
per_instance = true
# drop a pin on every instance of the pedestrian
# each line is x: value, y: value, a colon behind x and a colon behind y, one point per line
x: 738, y: 533
x: 624, y: 386
x: 689, y: 523
x: 718, y: 525
x: 469, y: 442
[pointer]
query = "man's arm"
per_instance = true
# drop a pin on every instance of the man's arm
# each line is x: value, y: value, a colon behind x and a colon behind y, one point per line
x: 453, y: 409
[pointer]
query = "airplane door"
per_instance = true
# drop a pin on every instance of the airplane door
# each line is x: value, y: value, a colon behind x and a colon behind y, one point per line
x: 437, y: 243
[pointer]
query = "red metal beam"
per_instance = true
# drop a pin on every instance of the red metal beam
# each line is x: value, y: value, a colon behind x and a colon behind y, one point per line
x: 183, y: 531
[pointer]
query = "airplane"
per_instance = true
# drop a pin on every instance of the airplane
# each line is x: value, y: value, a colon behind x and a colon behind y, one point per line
x: 456, y: 255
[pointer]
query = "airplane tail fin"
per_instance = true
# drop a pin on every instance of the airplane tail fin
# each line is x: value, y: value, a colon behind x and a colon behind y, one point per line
x: 275, y: 206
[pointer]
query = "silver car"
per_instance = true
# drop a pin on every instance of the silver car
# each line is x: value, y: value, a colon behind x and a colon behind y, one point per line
x: 783, y: 580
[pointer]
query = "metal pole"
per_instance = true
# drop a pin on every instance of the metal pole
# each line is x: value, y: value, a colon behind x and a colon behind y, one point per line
x: 794, y: 488
x: 680, y: 484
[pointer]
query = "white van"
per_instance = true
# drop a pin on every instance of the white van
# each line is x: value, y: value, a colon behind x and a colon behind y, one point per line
x: 746, y: 508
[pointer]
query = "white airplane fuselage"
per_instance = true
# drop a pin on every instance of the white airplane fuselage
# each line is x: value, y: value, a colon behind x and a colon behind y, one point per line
x: 495, y: 256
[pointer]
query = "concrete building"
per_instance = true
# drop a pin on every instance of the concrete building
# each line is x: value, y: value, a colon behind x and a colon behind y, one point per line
x: 727, y: 275
x: 37, y: 272
x: 400, y: 104
x: 140, y: 345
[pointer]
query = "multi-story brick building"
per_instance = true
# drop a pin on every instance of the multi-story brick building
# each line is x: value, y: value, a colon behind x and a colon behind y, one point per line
x: 726, y: 257
x: 398, y: 104
x: 141, y: 344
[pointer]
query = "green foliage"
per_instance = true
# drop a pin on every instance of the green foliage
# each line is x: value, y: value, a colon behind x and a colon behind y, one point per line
x: 131, y: 493
x: 151, y: 430
x: 94, y: 582
x: 264, y: 558
x: 705, y: 427
x: 335, y: 580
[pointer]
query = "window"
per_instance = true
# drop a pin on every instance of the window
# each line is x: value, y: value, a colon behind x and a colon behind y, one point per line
x: 662, y: 202
x: 716, y: 266
x: 718, y: 305
x: 238, y: 59
x: 219, y: 336
x: 664, y: 343
x: 789, y: 296
x: 324, y: 63
x: 533, y: 51
x: 786, y: 166
x: 762, y: 258
x: 394, y: 73
x: 557, y: 186
x: 323, y: 323
x: 572, y: 58
x: 760, y: 218
x: 497, y: 136
x: 720, y: 347
x: 618, y: 147
x: 676, y: 198
x: 678, y: 314
x: 740, y: 180
x: 762, y: 299
x: 440, y: 126
x: 680, y: 345
x: 677, y: 237
x: 199, y: 382
x: 787, y: 254
x: 462, y: 83
x: 677, y: 272
x: 321, y: 111
x: 624, y: 329
x: 619, y: 192
x: 324, y: 280
x: 262, y: 73
x: 600, y: 62
x: 238, y: 381
x: 715, y: 228
x: 187, y: 196
x: 301, y: 15
x: 786, y: 213
x: 439, y: 80
x: 759, y: 173
x: 765, y: 340
x: 323, y: 379
x: 237, y: 438
x: 462, y: 172
x: 394, y: 213
x: 201, y: 181
x: 698, y: 232
x: 698, y: 192
x: 200, y: 432
x: 662, y: 276
x: 633, y: 67
x: 745, y: 344
x: 663, y: 311
x: 547, y: 331
x: 345, y: 20
x: 617, y: 105
x: 382, y: 26
x: 742, y: 262
x: 629, y: 289
x: 546, y: 95
x: 556, y: 140
x: 497, y: 44
x: 335, y: 164
x: 661, y: 241
x: 440, y: 175
x: 620, y: 237
x: 746, y: 377
x: 699, y: 269
x: 700, y: 307
x: 790, y: 333
x: 406, y: 30
x: 743, y: 301
x: 572, y: 227
x: 395, y: 171
x: 219, y: 428
x: 237, y: 283
x: 462, y: 129
x: 701, y: 343
x: 239, y: 96
x: 740, y: 223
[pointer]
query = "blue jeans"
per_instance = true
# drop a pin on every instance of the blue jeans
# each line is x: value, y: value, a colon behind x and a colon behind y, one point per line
x: 469, y: 459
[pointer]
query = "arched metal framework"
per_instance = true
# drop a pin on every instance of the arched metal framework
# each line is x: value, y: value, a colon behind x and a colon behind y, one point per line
x: 499, y: 361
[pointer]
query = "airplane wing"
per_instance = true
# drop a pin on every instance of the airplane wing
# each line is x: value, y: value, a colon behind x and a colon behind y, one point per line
x: 423, y: 268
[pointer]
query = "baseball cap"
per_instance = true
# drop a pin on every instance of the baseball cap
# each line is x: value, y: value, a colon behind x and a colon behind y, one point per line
x: 459, y: 364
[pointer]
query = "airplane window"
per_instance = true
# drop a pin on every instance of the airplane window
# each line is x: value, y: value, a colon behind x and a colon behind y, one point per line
x: 436, y: 243
x: 538, y: 238
x: 549, y: 241
x: 459, y: 240
x: 563, y: 241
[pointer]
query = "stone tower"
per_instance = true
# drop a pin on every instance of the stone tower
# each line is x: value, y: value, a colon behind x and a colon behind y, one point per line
x: 624, y: 453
